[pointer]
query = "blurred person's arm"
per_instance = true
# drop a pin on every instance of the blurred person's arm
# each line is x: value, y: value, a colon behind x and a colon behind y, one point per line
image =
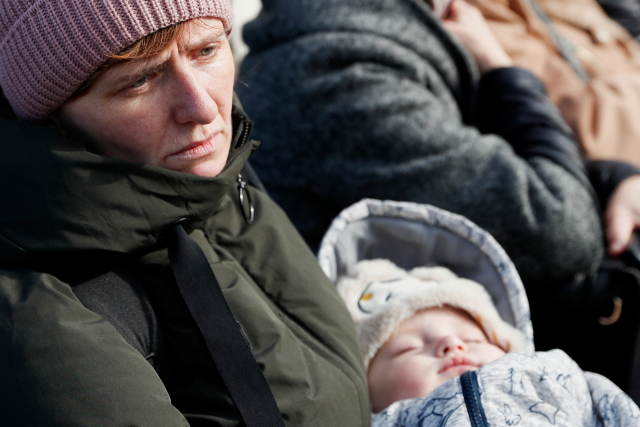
x: 511, y: 110
x: 618, y: 187
x: 356, y: 100
x: 511, y: 102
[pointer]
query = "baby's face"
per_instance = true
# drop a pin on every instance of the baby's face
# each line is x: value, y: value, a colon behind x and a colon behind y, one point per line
x: 427, y: 350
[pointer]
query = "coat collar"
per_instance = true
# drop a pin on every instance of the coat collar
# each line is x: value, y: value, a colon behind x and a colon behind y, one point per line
x: 58, y: 199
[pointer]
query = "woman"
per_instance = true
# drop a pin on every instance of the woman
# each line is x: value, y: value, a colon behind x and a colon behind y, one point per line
x: 94, y: 329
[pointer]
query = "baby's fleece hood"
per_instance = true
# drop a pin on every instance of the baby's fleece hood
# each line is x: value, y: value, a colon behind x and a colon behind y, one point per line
x: 439, y: 258
x: 381, y: 296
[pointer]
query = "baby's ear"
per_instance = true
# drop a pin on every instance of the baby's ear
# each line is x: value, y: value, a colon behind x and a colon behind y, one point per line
x: 438, y: 274
x: 378, y: 269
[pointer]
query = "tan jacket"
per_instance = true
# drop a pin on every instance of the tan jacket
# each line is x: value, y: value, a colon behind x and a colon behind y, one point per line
x: 603, y: 111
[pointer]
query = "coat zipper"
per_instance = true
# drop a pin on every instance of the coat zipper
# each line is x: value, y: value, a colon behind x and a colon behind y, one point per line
x: 246, y: 130
x: 471, y: 393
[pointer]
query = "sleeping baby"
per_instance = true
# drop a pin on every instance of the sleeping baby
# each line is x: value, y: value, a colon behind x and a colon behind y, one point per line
x: 437, y: 352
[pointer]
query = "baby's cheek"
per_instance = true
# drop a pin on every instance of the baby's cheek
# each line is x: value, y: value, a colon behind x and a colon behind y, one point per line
x: 491, y: 353
x: 412, y: 383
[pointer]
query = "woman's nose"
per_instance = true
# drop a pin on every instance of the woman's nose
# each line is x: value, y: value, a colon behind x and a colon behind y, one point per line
x: 192, y: 102
x: 449, y: 344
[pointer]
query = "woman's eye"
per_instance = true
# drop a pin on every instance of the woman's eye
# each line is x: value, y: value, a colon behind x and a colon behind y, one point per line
x: 140, y: 82
x: 207, y: 51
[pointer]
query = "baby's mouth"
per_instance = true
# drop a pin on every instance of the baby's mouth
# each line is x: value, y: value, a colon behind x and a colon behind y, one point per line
x: 458, y: 361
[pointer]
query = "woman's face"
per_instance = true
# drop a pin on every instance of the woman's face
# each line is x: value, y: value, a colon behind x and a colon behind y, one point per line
x: 172, y: 110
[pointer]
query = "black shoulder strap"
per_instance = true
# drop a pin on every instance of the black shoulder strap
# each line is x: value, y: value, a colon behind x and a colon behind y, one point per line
x: 222, y: 334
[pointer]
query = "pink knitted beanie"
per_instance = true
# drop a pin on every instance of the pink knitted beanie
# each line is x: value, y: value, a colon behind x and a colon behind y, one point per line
x: 48, y: 48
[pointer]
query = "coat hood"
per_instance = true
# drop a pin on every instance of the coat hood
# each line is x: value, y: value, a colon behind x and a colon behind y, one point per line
x: 417, y: 235
x: 58, y: 199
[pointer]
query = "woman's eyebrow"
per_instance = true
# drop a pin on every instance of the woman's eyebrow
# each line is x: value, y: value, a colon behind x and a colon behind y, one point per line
x: 151, y: 68
x: 206, y: 40
x: 136, y: 75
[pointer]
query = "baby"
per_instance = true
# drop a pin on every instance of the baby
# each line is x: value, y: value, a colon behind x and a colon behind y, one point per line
x: 420, y: 329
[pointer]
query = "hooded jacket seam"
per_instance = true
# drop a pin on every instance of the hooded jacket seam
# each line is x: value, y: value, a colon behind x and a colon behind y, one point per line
x: 15, y: 245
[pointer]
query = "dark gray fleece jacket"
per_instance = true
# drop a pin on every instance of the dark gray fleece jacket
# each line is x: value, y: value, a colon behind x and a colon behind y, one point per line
x: 372, y: 98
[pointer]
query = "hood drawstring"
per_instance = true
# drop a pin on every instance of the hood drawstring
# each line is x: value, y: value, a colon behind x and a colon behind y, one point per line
x: 242, y: 190
x: 223, y: 336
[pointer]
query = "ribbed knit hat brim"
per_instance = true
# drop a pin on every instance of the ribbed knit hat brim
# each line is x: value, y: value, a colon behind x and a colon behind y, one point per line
x: 48, y: 48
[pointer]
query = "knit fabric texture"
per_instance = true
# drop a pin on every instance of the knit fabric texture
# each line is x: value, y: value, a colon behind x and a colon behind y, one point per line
x: 48, y: 48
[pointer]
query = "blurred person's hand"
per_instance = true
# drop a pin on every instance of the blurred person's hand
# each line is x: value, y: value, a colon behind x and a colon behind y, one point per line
x: 622, y: 216
x: 467, y: 24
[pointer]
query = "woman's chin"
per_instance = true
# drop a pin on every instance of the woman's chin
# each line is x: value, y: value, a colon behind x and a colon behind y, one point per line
x: 204, y: 167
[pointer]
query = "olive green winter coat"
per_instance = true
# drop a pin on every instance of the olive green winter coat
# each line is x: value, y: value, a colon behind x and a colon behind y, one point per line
x: 67, y: 215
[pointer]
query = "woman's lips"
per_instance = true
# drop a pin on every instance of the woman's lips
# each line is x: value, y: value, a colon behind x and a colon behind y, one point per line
x: 198, y: 149
x: 458, y: 361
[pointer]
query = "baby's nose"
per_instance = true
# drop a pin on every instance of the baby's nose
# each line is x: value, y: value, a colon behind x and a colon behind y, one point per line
x: 451, y: 343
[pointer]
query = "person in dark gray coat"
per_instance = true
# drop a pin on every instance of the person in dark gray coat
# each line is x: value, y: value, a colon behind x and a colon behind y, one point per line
x: 374, y: 98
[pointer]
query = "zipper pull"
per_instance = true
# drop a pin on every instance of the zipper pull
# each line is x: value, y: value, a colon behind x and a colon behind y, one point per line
x: 242, y: 190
